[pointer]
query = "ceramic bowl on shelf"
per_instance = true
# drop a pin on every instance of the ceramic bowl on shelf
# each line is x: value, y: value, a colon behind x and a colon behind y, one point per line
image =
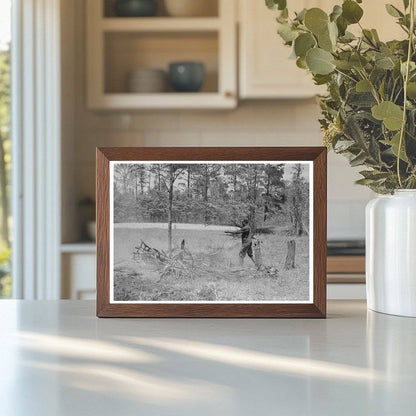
x: 147, y: 80
x: 186, y: 76
x: 135, y: 8
x: 191, y: 8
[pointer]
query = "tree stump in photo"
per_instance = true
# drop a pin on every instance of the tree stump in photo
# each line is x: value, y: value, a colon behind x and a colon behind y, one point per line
x: 290, y: 256
x: 257, y: 253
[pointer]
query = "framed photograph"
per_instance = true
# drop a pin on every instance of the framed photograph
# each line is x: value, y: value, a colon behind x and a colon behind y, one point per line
x: 211, y: 232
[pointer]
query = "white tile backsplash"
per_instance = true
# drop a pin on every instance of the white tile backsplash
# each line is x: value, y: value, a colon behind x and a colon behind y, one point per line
x: 346, y: 219
x: 341, y: 180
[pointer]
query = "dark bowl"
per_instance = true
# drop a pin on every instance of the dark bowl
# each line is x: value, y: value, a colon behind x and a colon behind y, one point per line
x: 186, y: 76
x: 136, y: 8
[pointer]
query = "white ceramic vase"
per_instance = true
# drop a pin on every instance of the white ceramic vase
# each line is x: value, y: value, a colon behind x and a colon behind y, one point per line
x: 391, y: 253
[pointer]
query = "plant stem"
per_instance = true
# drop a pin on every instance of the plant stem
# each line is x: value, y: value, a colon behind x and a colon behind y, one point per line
x: 373, y: 89
x: 406, y: 80
x: 397, y: 95
x: 345, y: 75
x: 369, y: 41
x: 392, y: 90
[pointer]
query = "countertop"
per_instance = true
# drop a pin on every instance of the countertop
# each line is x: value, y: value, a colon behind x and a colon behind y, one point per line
x: 58, y: 359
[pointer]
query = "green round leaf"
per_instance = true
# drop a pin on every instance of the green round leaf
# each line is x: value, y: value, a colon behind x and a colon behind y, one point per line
x: 391, y: 114
x: 385, y: 63
x: 351, y: 11
x: 319, y: 61
x: 358, y: 61
x: 333, y: 32
x: 343, y: 65
x: 342, y: 25
x: 276, y: 4
x: 301, y: 63
x: 363, y: 86
x: 286, y: 32
x: 336, y: 12
x: 300, y: 16
x: 327, y: 40
x: 324, y: 42
x: 303, y: 43
x: 347, y: 37
x: 403, y: 66
x: 321, y: 79
x: 411, y: 90
x: 316, y: 20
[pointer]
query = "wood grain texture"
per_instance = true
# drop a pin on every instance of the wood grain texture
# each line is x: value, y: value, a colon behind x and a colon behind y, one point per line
x: 317, y: 309
x: 103, y: 231
x: 346, y: 264
x: 345, y: 278
x: 319, y: 229
x: 213, y: 153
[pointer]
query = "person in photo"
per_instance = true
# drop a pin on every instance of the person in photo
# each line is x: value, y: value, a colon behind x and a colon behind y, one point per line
x: 246, y: 242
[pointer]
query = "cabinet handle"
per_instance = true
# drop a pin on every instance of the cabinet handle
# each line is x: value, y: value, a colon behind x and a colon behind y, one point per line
x: 228, y: 94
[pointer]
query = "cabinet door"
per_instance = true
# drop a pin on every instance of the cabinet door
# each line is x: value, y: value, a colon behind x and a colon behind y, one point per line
x: 265, y: 68
x: 78, y: 276
x: 376, y: 17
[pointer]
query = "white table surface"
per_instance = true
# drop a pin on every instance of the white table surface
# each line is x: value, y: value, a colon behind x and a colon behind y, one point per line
x: 57, y: 359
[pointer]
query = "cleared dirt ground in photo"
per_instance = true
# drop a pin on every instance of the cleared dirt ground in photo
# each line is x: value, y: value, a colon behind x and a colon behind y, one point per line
x: 216, y: 274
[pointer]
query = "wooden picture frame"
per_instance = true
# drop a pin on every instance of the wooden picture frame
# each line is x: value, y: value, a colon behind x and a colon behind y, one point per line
x: 315, y: 307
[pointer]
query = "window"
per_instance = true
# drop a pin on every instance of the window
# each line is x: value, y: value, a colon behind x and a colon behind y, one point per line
x: 5, y: 144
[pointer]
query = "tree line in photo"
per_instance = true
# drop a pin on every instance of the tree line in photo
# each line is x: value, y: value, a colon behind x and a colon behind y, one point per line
x: 220, y: 194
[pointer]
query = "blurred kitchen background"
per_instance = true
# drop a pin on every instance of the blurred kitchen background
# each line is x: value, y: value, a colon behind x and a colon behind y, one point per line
x: 125, y: 80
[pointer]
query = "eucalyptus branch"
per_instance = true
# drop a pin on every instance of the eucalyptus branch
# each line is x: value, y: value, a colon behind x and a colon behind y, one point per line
x: 369, y: 41
x: 346, y: 75
x: 349, y: 63
x: 373, y: 89
x: 404, y: 28
x: 392, y: 90
x: 398, y: 95
x: 406, y: 80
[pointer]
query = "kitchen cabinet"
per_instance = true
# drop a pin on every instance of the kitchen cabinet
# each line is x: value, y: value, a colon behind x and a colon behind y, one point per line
x: 265, y: 70
x: 78, y: 263
x: 118, y: 45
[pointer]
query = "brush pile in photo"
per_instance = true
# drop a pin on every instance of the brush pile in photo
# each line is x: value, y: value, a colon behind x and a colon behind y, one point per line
x: 182, y: 264
x: 179, y: 264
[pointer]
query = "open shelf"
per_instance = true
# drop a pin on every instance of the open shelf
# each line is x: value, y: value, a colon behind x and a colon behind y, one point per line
x: 166, y: 101
x: 108, y: 9
x: 160, y: 24
x: 80, y: 247
x: 127, y: 51
x: 116, y: 46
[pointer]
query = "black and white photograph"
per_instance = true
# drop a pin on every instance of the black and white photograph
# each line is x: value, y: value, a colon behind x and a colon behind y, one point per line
x: 211, y: 232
